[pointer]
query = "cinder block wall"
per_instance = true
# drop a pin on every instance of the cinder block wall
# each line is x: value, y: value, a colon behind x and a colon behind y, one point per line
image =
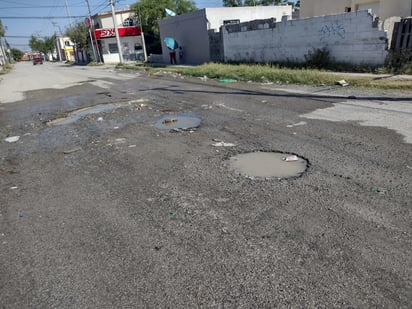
x: 350, y: 37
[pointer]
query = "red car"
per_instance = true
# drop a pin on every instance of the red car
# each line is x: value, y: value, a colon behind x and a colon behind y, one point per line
x: 37, y: 60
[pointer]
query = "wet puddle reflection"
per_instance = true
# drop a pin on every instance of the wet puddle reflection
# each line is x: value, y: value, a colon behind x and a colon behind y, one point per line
x: 268, y: 165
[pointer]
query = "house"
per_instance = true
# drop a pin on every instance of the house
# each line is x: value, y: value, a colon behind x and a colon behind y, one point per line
x: 66, y: 48
x: 130, y: 36
x: 198, y: 32
x: 381, y: 8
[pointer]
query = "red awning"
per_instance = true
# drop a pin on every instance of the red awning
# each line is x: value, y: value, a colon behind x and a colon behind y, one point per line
x: 123, y: 31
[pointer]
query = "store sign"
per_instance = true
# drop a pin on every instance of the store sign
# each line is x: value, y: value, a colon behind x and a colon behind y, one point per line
x: 123, y: 31
x: 107, y: 33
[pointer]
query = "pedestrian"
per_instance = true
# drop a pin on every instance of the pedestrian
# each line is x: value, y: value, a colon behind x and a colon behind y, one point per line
x: 172, y: 54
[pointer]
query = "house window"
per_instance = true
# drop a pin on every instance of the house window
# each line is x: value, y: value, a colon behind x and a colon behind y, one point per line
x: 348, y: 9
x: 113, y: 49
x: 67, y: 43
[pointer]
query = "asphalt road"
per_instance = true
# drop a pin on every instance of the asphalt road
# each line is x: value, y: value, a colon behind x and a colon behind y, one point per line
x: 108, y: 211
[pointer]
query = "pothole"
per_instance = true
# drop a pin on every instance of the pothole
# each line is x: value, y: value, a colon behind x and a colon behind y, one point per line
x: 83, y: 112
x: 170, y: 122
x: 269, y: 165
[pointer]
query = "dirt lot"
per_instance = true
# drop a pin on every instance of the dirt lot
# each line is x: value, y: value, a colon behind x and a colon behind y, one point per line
x: 108, y: 211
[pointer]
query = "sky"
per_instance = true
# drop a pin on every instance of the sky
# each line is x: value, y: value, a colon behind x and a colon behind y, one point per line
x: 52, y: 17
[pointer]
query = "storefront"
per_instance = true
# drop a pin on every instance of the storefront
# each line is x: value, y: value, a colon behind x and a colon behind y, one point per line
x: 130, y: 36
x: 130, y: 42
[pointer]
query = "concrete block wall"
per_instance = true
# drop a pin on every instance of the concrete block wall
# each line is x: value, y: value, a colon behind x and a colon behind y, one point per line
x: 350, y: 38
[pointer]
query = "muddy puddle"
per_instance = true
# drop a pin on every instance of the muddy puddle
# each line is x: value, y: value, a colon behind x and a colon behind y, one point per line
x: 169, y: 122
x: 268, y: 165
x: 83, y: 112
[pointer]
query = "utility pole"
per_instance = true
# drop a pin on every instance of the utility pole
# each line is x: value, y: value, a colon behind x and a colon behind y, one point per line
x: 68, y: 13
x: 58, y: 41
x: 91, y: 30
x: 142, y: 35
x: 116, y: 31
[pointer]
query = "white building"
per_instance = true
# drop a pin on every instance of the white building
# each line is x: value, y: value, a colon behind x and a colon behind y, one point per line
x: 381, y: 8
x: 129, y: 34
x: 198, y: 32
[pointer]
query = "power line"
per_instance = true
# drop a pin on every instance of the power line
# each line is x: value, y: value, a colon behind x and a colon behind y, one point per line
x: 41, y: 7
x: 41, y: 17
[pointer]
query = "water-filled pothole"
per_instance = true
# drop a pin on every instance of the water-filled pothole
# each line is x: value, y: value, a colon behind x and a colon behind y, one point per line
x: 181, y: 121
x: 83, y: 112
x: 269, y: 165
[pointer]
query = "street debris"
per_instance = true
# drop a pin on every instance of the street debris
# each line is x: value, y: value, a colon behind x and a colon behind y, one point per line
x: 13, y: 188
x: 229, y: 108
x: 120, y: 140
x: 223, y: 144
x: 72, y: 150
x: 173, y: 212
x: 12, y: 139
x: 293, y: 158
x: 301, y: 123
x: 204, y: 78
x: 178, y: 123
x: 132, y: 146
x: 23, y: 215
x: 376, y: 189
x: 168, y: 111
x: 227, y: 80
x: 342, y: 83
x: 100, y: 119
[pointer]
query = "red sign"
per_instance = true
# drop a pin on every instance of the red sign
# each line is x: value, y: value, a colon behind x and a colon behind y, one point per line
x: 123, y: 31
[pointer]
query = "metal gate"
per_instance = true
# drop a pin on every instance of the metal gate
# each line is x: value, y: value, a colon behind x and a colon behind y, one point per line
x: 402, y: 36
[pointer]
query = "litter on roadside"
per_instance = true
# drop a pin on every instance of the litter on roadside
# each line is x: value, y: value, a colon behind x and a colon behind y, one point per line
x: 376, y: 189
x: 223, y: 144
x: 227, y: 80
x: 342, y: 83
x: 12, y: 139
x: 301, y: 123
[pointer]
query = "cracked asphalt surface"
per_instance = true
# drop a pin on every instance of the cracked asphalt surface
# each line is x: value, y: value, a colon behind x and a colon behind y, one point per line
x: 111, y: 212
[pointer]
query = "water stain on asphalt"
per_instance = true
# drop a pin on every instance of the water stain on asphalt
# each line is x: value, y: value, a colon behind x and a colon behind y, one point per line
x: 268, y: 165
x: 169, y: 122
x: 83, y: 112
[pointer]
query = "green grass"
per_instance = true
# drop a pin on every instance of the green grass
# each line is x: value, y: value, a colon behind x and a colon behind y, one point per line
x: 5, y: 68
x: 276, y: 74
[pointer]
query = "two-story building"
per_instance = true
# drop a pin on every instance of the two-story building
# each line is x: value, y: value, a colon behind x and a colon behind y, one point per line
x: 381, y: 8
x: 130, y: 36
x: 64, y: 49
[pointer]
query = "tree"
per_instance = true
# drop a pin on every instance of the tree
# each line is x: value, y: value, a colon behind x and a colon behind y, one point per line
x: 16, y: 53
x: 150, y: 12
x: 45, y: 45
x: 2, y: 30
x: 79, y: 34
x: 232, y: 3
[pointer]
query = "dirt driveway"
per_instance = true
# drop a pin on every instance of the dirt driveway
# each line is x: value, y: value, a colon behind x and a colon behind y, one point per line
x: 100, y: 207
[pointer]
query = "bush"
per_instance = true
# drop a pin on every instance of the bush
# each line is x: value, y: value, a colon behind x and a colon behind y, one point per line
x: 400, y: 62
x: 319, y: 59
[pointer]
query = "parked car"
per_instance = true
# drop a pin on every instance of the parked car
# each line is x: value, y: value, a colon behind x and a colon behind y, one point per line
x: 37, y: 60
